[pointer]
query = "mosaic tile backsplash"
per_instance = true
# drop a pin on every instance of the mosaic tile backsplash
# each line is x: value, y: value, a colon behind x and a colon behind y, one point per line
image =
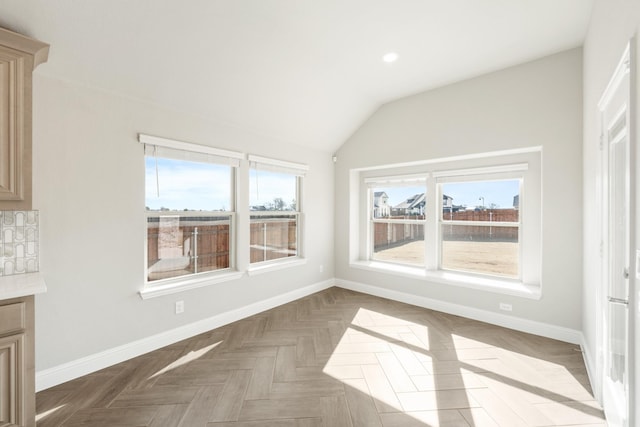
x: 18, y: 242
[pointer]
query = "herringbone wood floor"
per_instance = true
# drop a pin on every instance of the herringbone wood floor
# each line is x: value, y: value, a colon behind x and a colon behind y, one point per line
x: 337, y: 358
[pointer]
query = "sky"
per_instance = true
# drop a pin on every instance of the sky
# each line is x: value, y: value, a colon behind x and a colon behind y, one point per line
x: 207, y: 187
x: 265, y: 186
x: 467, y: 194
x: 187, y: 185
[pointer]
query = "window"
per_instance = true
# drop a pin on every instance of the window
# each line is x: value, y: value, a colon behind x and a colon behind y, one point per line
x: 397, y: 218
x: 275, y: 209
x: 190, y: 209
x: 464, y: 221
x: 479, y: 228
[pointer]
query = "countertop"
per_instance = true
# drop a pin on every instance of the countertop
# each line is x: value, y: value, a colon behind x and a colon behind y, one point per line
x: 20, y: 285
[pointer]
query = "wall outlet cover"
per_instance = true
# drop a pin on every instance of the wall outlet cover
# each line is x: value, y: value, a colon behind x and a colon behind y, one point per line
x: 505, y: 307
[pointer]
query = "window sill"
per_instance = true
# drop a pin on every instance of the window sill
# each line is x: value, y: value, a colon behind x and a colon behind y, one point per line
x: 268, y: 266
x: 181, y: 285
x: 489, y: 284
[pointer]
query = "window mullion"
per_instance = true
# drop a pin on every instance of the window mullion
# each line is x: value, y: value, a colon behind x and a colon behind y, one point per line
x: 431, y: 232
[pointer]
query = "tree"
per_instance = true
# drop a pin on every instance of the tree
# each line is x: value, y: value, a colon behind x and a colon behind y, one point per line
x: 278, y: 204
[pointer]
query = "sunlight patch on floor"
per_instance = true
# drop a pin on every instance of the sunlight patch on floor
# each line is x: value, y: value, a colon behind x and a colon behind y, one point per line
x: 187, y: 358
x: 45, y: 414
x: 374, y: 356
x: 408, y: 371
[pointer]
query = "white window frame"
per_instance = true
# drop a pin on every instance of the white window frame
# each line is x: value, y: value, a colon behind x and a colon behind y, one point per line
x: 393, y: 181
x: 160, y: 146
x: 298, y: 170
x: 524, y: 164
x: 510, y: 172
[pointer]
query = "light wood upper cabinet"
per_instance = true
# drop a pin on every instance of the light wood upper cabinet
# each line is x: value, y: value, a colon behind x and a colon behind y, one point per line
x: 19, y: 55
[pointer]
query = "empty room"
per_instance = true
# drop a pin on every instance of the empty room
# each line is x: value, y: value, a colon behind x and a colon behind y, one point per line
x: 298, y: 213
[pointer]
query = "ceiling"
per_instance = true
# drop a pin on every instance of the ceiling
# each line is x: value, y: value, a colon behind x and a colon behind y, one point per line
x: 307, y: 72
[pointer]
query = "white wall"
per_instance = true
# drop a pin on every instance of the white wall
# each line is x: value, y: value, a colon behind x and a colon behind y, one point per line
x: 613, y: 23
x: 89, y: 188
x: 534, y: 104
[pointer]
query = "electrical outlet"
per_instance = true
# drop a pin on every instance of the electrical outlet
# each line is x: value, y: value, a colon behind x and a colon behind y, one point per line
x: 321, y: 268
x: 179, y: 307
x: 505, y: 307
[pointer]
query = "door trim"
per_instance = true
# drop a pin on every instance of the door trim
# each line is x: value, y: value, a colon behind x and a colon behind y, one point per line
x: 626, y: 66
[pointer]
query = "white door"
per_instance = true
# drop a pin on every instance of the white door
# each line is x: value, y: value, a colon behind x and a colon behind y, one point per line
x: 614, y: 108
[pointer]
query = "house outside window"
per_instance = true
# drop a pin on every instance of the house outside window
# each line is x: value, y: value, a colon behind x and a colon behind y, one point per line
x: 397, y: 236
x: 381, y: 206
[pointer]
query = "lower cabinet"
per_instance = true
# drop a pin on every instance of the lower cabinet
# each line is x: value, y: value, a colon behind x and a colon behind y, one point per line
x: 17, y: 370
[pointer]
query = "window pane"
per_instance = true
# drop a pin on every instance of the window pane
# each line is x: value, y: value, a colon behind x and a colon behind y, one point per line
x: 273, y: 237
x: 481, y: 249
x: 496, y: 201
x: 183, y: 245
x: 398, y: 202
x: 186, y: 186
x: 402, y: 243
x: 272, y: 191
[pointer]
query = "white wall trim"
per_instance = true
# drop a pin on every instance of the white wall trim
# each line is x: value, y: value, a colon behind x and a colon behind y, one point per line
x: 68, y: 371
x: 524, y: 325
x: 589, y: 362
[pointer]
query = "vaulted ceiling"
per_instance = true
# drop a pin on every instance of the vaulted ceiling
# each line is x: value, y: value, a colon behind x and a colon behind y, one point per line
x: 303, y: 71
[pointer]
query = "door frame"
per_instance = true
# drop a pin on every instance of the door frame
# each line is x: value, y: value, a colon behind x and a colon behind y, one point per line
x: 625, y: 66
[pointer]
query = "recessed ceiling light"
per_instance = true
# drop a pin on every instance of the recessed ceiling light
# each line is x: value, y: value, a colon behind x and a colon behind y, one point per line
x: 390, y: 57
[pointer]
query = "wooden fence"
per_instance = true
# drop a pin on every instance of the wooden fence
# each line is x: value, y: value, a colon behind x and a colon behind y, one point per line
x: 210, y: 242
x: 389, y: 235
x: 270, y: 238
x: 494, y: 215
x: 273, y: 238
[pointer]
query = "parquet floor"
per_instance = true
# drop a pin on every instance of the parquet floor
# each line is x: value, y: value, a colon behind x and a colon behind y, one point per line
x: 337, y: 358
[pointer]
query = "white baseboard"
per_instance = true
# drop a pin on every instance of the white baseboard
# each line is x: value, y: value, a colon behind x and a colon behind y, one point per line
x: 59, y: 374
x: 592, y: 368
x: 68, y: 371
x: 524, y: 325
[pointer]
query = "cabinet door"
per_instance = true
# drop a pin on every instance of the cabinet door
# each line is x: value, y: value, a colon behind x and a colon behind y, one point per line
x: 12, y: 116
x: 12, y: 379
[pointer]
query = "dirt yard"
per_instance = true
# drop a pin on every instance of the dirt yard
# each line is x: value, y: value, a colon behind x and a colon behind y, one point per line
x: 497, y: 258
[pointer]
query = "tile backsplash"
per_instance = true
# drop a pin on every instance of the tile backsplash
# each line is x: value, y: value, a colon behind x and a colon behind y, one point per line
x: 18, y: 242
